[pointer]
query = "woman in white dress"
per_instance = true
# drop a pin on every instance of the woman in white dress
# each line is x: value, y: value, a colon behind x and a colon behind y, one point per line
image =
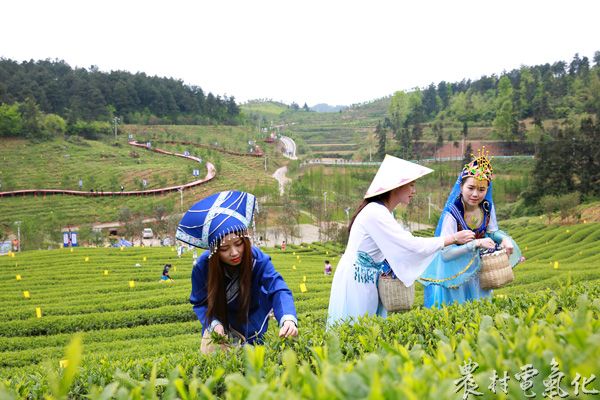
x: 377, y: 242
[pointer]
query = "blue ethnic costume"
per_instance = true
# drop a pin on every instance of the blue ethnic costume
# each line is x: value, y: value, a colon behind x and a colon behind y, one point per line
x: 453, y: 274
x: 204, y: 225
x: 378, y: 243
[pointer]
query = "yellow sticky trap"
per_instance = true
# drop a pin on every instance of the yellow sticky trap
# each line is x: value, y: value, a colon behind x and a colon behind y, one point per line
x: 12, y: 255
x: 87, y: 259
x: 105, y: 272
x: 293, y: 267
x: 555, y: 264
x: 172, y: 248
x: 131, y: 284
x: 294, y: 253
x: 568, y: 231
x: 327, y: 252
x: 526, y: 247
x: 304, y: 278
x: 297, y: 257
x: 18, y: 277
x: 71, y: 249
x: 63, y: 363
x: 26, y: 294
x: 38, y: 312
x: 303, y: 287
x: 175, y: 268
x: 144, y: 259
x: 122, y: 248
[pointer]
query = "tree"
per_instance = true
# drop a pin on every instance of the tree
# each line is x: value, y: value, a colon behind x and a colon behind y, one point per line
x: 440, y: 141
x: 31, y: 117
x: 467, y: 155
x: 549, y: 205
x: 11, y: 123
x: 505, y: 118
x: 381, y: 136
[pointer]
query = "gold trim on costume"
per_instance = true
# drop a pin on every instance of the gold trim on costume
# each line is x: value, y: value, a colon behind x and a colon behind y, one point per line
x: 452, y: 277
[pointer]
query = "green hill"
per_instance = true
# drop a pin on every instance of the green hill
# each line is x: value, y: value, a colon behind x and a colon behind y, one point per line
x: 145, y: 331
x: 104, y: 166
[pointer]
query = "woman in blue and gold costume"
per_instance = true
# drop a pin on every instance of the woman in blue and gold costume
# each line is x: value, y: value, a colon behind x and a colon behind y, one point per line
x: 453, y: 274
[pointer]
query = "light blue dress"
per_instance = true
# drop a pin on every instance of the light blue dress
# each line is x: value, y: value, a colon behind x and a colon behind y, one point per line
x: 452, y: 276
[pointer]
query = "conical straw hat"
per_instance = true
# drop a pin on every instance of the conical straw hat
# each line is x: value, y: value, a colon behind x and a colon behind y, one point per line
x: 395, y: 172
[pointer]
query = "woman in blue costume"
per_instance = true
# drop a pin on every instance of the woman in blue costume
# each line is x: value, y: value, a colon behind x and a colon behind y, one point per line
x: 234, y: 285
x: 453, y: 274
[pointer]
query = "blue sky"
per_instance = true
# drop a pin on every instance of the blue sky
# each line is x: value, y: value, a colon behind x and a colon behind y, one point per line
x: 325, y: 51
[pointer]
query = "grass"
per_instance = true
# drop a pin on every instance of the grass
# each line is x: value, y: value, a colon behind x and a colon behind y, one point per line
x: 102, y: 165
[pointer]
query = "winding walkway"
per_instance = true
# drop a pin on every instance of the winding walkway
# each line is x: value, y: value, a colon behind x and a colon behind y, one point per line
x: 211, y: 172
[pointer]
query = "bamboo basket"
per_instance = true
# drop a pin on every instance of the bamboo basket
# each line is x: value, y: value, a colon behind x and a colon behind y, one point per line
x: 495, y: 270
x: 394, y: 295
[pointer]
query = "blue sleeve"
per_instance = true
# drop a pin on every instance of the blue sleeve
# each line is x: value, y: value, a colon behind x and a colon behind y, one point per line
x: 198, y: 296
x: 279, y: 295
x: 497, y: 236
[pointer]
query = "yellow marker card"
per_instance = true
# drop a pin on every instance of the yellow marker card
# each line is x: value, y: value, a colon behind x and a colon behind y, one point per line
x: 38, y: 312
x: 131, y: 284
x: 303, y: 287
x: 63, y: 363
x: 304, y: 278
x: 144, y: 259
x: 555, y: 264
x: 293, y: 267
x: 87, y: 259
x: 18, y: 277
x: 26, y: 294
x: 105, y: 272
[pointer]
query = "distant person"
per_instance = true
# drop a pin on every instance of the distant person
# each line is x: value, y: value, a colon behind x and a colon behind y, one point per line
x: 234, y: 284
x: 283, y: 245
x: 378, y: 244
x: 165, y: 273
x: 327, y: 268
x: 122, y: 188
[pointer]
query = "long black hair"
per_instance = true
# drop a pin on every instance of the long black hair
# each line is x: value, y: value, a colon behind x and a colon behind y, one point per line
x: 217, y: 301
x: 383, y: 197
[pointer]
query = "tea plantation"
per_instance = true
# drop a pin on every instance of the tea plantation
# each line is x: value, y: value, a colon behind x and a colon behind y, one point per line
x: 99, y: 323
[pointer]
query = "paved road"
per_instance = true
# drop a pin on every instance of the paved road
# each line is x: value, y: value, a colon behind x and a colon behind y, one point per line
x: 290, y: 147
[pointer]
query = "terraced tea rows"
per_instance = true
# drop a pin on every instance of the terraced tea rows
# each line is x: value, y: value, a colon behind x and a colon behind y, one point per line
x: 129, y: 320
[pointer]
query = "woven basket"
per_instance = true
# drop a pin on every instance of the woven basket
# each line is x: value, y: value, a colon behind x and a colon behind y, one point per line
x: 495, y: 270
x: 394, y: 295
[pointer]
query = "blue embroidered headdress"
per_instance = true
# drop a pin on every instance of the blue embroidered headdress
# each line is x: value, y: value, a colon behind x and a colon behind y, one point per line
x: 216, y: 216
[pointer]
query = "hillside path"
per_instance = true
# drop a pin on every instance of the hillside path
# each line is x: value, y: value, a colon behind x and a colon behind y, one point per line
x: 282, y: 179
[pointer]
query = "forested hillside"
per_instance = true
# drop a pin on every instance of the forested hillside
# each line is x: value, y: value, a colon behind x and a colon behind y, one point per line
x: 74, y: 94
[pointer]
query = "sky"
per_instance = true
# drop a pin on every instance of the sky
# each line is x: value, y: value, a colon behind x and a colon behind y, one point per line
x: 311, y: 51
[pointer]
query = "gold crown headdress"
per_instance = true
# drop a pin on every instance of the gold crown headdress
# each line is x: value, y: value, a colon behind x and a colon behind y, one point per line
x: 480, y: 167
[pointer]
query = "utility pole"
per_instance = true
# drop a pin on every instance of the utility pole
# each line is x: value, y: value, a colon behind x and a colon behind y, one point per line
x: 181, y: 197
x: 116, y: 121
x: 18, y: 223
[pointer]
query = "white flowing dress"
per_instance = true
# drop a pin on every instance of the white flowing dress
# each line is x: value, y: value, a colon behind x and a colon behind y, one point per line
x: 375, y: 237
